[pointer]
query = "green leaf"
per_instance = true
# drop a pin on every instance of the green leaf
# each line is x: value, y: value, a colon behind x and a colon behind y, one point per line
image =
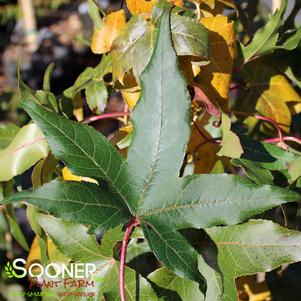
x: 231, y: 146
x: 93, y: 12
x: 47, y: 78
x: 190, y: 37
x: 97, y: 96
x: 85, y: 151
x: 267, y: 155
x: 77, y: 244
x: 91, y: 80
x: 160, y: 120
x: 294, y: 168
x: 76, y: 201
x: 133, y: 49
x: 196, y: 202
x: 15, y: 229
x: 7, y: 133
x: 26, y: 148
x: 173, y: 287
x: 73, y: 240
x: 292, y: 41
x: 253, y: 170
x: 256, y: 246
x: 265, y: 38
x: 174, y: 251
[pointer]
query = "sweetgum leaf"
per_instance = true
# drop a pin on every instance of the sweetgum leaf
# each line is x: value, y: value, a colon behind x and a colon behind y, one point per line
x: 76, y: 201
x: 85, y: 151
x: 174, y: 251
x: 160, y: 119
x: 256, y: 246
x: 196, y: 202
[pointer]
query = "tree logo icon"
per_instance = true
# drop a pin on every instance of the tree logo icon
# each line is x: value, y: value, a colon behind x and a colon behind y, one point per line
x: 10, y: 271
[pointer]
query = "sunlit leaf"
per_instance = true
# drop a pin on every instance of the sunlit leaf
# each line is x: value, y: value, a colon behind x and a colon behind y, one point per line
x: 103, y: 38
x: 27, y: 147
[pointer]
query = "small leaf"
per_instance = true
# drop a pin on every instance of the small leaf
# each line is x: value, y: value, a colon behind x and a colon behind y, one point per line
x: 26, y: 148
x: 265, y: 38
x: 294, y: 169
x: 172, y: 287
x: 97, y: 96
x: 103, y: 38
x: 253, y: 170
x: 231, y: 146
x: 134, y: 48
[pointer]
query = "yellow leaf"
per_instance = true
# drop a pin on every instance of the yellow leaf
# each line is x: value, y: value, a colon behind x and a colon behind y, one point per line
x: 211, y: 8
x: 103, y: 38
x: 215, y: 78
x: 138, y: 7
x: 68, y: 176
x: 54, y: 254
x: 270, y: 93
x: 203, y: 154
x: 131, y: 96
x: 144, y: 7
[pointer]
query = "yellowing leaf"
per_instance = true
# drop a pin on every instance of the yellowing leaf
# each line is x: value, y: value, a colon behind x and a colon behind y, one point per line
x: 103, y: 38
x: 131, y: 96
x: 68, y: 176
x: 138, y: 7
x: 203, y: 154
x: 215, y: 77
x: 270, y: 93
x: 55, y: 256
x: 144, y: 7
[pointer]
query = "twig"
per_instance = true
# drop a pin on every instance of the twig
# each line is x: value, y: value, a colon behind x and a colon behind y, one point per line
x: 128, y: 231
x: 275, y: 124
x: 284, y: 138
x: 105, y: 116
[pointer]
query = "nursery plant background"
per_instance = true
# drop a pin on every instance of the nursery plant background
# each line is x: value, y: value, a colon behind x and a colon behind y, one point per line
x: 163, y: 146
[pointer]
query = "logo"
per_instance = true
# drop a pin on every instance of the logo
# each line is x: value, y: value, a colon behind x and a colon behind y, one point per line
x: 74, y: 270
x: 10, y: 272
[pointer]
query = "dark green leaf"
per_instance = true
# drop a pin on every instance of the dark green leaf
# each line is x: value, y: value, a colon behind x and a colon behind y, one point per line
x: 76, y: 201
x: 85, y: 151
x: 174, y: 251
x: 253, y: 170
